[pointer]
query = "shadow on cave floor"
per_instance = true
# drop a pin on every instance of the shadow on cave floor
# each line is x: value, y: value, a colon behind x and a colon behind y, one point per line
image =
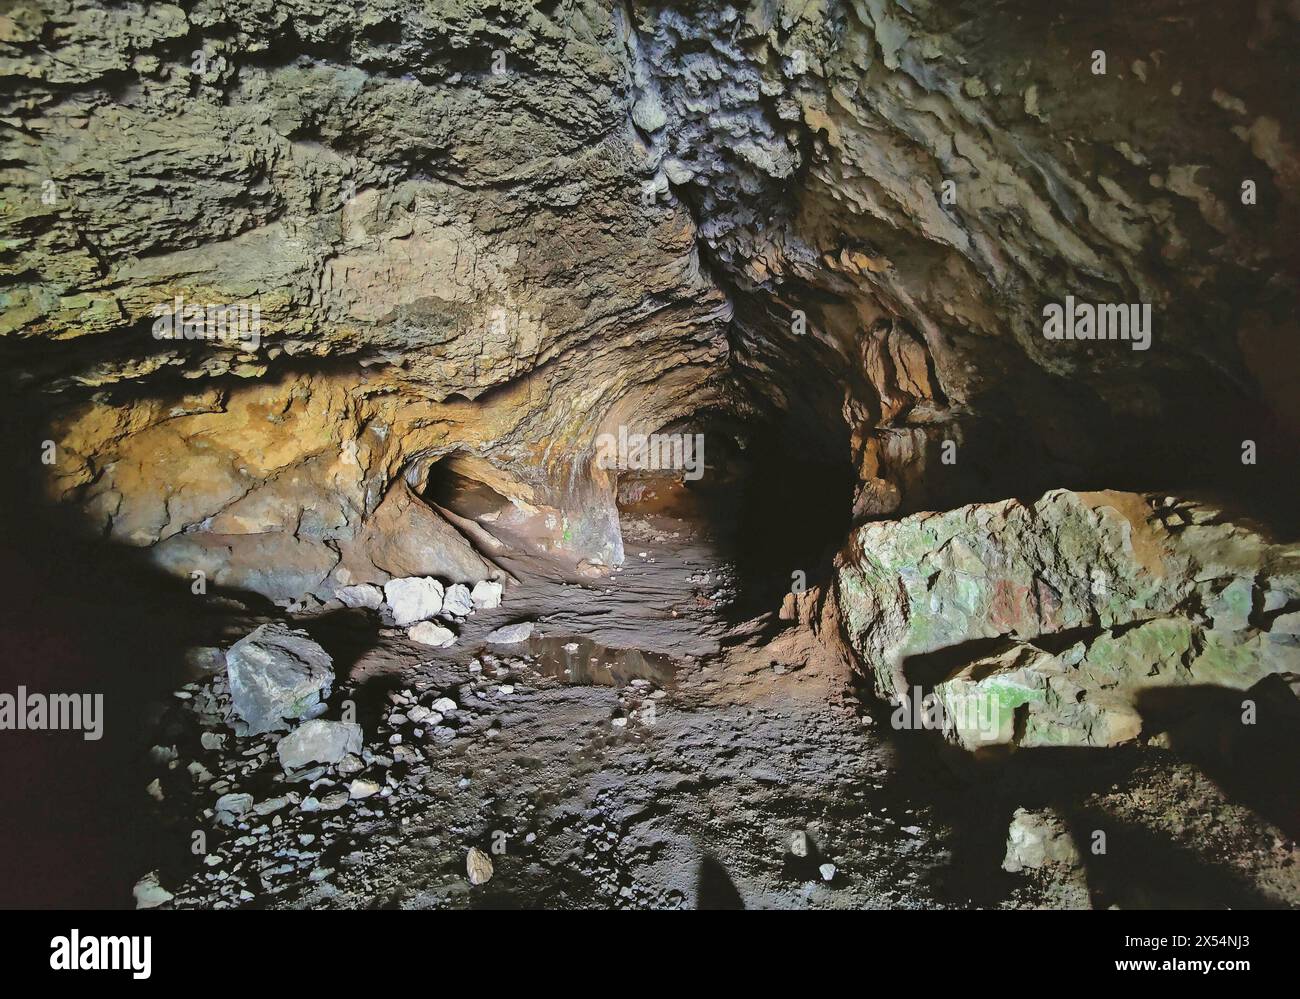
x: 714, y: 887
x: 1177, y: 825
x: 78, y: 616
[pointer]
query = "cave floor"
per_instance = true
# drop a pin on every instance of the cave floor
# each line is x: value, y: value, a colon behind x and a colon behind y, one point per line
x: 685, y: 760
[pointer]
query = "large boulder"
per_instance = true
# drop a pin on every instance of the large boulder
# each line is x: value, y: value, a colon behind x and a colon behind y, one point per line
x: 1096, y: 597
x: 277, y: 674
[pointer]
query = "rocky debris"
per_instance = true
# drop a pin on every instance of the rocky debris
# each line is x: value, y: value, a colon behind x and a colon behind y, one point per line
x: 428, y: 633
x: 596, y: 815
x: 486, y: 594
x: 1038, y: 839
x: 478, y: 866
x: 413, y: 599
x: 149, y: 893
x: 230, y: 808
x: 286, y: 801
x: 206, y: 659
x: 276, y: 674
x: 362, y: 788
x: 457, y: 601
x: 318, y: 741
x: 511, y: 634
x: 1153, y: 591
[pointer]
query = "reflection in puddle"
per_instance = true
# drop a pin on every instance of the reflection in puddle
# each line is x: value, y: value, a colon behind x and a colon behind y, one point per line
x: 580, y: 660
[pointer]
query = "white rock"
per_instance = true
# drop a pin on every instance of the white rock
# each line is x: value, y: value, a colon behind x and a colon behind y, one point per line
x: 366, y: 595
x: 150, y: 894
x: 415, y: 598
x: 828, y: 871
x: 231, y: 807
x: 318, y: 741
x: 511, y: 634
x: 444, y: 704
x: 435, y: 635
x: 478, y: 866
x: 1039, y: 839
x: 457, y: 601
x: 486, y: 594
x: 361, y: 788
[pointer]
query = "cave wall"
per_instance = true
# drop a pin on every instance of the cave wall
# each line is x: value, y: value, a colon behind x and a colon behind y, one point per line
x: 499, y: 229
x: 445, y: 258
x: 920, y: 179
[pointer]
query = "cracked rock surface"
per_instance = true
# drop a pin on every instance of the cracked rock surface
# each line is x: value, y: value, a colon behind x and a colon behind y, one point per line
x: 318, y: 321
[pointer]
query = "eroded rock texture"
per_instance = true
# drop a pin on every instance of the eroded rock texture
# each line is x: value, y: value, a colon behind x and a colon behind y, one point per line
x: 1064, y: 615
x: 446, y: 259
x: 486, y: 233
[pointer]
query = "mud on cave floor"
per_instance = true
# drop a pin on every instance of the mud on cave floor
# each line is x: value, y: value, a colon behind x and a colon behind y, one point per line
x: 682, y: 762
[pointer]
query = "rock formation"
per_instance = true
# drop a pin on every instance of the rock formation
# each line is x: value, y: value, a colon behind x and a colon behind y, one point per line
x: 493, y: 232
x: 277, y: 272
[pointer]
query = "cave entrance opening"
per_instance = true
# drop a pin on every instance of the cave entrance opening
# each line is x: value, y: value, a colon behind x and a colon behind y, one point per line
x: 454, y: 483
x: 775, y: 497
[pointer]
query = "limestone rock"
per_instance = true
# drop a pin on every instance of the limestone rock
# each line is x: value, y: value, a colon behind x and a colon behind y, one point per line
x: 413, y: 599
x: 365, y: 595
x: 149, y: 892
x: 277, y: 674
x: 318, y: 741
x: 457, y: 601
x: 511, y: 634
x: 361, y: 788
x: 434, y: 635
x: 486, y: 594
x: 478, y: 866
x: 229, y: 808
x: 1038, y: 839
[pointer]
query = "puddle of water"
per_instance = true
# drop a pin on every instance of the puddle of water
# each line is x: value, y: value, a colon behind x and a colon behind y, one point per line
x: 582, y: 661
